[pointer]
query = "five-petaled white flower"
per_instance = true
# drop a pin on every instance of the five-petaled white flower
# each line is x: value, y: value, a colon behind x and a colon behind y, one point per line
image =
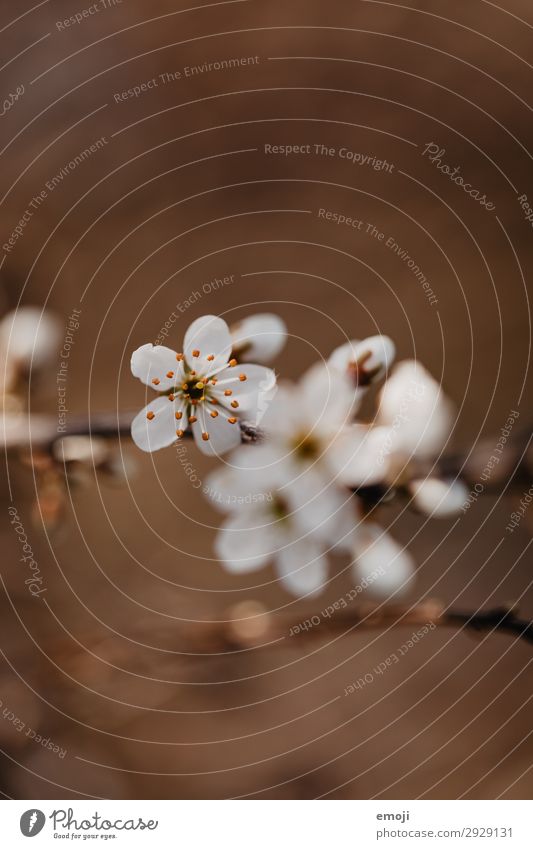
x: 201, y: 388
x: 276, y: 515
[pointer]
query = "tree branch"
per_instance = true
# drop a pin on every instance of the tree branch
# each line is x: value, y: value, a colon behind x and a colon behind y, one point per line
x: 249, y: 625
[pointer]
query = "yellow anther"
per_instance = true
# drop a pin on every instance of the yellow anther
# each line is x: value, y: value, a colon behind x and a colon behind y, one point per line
x: 150, y: 416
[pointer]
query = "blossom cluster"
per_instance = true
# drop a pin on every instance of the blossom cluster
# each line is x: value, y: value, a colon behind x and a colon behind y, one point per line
x: 296, y: 496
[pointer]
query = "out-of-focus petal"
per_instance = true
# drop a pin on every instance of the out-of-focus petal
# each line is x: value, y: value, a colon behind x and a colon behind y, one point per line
x: 302, y: 567
x: 415, y: 408
x: 438, y: 498
x: 317, y: 505
x: 157, y: 367
x: 155, y: 426
x: 328, y: 398
x: 207, y: 337
x: 259, y: 338
x: 359, y: 455
x: 386, y: 567
x: 247, y: 540
x: 373, y: 355
x: 252, y: 475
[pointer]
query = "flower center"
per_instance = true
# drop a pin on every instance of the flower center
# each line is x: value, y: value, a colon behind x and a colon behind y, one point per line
x: 306, y: 447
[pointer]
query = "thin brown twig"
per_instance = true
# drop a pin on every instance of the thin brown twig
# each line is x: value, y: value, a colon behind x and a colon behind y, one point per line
x: 253, y: 628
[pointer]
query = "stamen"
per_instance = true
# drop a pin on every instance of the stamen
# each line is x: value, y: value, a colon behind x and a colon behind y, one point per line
x: 228, y: 392
x: 179, y: 433
x: 170, y: 374
x: 192, y: 373
x: 232, y: 420
x: 232, y: 363
x: 192, y: 419
x: 213, y: 414
x: 205, y: 436
x: 234, y: 404
x: 184, y: 386
x: 156, y: 381
x: 211, y: 357
x: 242, y: 377
x: 179, y: 357
x: 196, y: 352
x: 171, y: 397
x: 150, y: 416
x: 178, y: 415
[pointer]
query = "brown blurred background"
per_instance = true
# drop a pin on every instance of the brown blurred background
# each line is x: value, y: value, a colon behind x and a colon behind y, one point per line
x: 180, y: 193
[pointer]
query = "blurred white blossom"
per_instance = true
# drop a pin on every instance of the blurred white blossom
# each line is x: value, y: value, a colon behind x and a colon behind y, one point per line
x: 259, y: 338
x: 29, y: 337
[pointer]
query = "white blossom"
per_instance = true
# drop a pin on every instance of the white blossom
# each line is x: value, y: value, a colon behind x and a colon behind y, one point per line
x: 200, y: 388
x: 274, y: 516
x: 29, y: 337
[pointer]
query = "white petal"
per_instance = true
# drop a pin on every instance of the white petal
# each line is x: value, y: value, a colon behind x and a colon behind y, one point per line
x: 284, y: 417
x: 209, y: 335
x: 151, y: 435
x: 252, y: 395
x: 302, y: 567
x: 317, y: 505
x: 154, y: 362
x: 384, y: 565
x: 328, y: 398
x: 359, y: 455
x: 259, y: 337
x: 376, y: 354
x: 414, y: 406
x: 247, y: 541
x: 30, y: 336
x: 439, y: 498
x: 223, y: 436
x: 342, y: 356
x: 252, y: 475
